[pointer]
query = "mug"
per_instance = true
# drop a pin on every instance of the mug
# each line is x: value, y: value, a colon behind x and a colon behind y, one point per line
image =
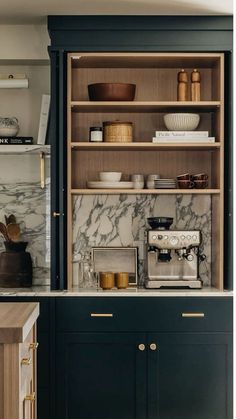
x: 107, y: 280
x: 200, y: 184
x: 185, y: 184
x: 185, y: 176
x: 200, y: 176
x: 122, y: 280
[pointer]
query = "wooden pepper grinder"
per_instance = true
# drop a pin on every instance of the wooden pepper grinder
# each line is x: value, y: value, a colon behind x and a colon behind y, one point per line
x: 195, y: 86
x: 182, y: 93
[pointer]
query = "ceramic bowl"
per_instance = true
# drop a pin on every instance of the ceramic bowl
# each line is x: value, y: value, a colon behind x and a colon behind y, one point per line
x: 110, y: 176
x: 181, y: 121
x: 111, y: 91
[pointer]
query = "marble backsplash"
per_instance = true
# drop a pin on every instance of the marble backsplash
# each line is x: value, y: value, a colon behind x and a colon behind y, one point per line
x: 120, y: 220
x: 31, y: 206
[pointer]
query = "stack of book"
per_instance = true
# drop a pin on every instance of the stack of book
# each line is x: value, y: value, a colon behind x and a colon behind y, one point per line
x: 16, y: 140
x: 182, y: 137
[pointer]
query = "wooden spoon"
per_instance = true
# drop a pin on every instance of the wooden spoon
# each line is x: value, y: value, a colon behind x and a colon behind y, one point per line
x: 13, y: 231
x: 10, y: 219
x: 3, y: 230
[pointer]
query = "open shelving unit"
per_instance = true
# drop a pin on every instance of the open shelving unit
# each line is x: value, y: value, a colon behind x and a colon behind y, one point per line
x: 155, y: 76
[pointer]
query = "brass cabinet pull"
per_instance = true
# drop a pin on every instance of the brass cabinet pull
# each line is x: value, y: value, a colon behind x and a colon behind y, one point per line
x: 193, y: 315
x: 141, y: 347
x: 56, y: 214
x: 30, y: 397
x: 153, y: 346
x: 26, y: 361
x: 101, y: 315
x: 33, y: 346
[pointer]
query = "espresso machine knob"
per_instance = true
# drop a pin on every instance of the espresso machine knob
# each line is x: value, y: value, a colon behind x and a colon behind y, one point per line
x: 174, y: 240
x: 189, y: 257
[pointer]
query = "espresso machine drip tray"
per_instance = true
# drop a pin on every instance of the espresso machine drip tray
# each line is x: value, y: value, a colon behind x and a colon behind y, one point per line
x: 194, y: 284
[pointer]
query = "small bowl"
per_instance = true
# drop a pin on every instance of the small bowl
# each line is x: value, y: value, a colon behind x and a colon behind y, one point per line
x: 181, y: 121
x: 185, y: 184
x: 110, y: 176
x: 200, y: 184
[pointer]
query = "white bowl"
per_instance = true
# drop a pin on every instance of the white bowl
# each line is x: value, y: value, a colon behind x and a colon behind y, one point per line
x: 110, y: 176
x: 181, y: 121
x: 8, y: 131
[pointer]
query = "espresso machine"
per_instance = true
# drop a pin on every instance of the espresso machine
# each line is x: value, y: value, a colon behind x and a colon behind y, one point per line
x: 172, y: 255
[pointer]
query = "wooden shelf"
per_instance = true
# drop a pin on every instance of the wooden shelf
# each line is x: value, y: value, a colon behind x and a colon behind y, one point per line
x: 144, y: 191
x: 144, y: 106
x: 25, y: 149
x: 85, y: 145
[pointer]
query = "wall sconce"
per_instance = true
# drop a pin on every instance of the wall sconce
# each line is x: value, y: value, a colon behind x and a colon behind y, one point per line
x: 13, y: 81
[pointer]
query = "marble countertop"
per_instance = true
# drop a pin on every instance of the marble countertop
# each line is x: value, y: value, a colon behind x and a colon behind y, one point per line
x: 42, y: 291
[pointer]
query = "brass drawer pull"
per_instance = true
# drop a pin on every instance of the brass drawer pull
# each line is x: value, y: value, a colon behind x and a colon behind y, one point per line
x: 141, y: 347
x: 26, y: 361
x: 101, y: 315
x: 33, y: 346
x: 153, y: 346
x: 30, y: 397
x: 193, y: 315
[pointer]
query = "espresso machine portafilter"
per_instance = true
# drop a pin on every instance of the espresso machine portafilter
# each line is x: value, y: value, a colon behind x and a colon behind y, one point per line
x: 172, y: 255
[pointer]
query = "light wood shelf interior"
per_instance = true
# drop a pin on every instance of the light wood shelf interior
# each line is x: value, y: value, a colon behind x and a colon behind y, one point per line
x: 144, y: 191
x: 155, y: 76
x: 138, y: 145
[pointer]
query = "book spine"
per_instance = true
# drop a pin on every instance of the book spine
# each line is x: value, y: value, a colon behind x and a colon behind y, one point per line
x: 187, y: 134
x: 183, y: 140
x: 16, y: 140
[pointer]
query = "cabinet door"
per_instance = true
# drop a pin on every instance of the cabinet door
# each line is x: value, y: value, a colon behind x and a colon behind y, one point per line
x: 101, y: 376
x: 190, y: 376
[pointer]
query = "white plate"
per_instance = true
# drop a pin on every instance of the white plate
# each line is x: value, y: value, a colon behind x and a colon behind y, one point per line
x: 110, y: 185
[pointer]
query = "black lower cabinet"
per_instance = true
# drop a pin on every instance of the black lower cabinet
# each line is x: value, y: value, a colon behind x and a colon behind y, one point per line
x: 189, y: 376
x: 177, y: 366
x: 102, y: 376
x: 144, y: 376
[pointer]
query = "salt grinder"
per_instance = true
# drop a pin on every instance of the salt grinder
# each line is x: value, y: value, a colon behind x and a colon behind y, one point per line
x: 182, y: 92
x: 195, y: 86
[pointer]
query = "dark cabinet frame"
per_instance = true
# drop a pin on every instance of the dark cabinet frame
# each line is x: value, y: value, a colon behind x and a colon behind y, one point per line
x: 129, y: 33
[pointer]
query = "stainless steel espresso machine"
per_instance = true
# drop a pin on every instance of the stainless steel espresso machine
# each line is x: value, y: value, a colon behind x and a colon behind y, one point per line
x: 172, y: 255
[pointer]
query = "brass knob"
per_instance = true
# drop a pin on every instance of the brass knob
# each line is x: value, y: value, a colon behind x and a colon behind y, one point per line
x: 34, y: 346
x: 26, y: 361
x: 141, y: 347
x: 153, y: 347
x: 30, y: 397
x: 56, y: 214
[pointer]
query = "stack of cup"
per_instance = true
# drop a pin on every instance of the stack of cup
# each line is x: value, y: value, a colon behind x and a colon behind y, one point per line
x: 151, y: 181
x: 138, y: 181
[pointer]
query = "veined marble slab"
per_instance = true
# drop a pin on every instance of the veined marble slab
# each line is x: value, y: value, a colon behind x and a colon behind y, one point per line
x: 120, y: 220
x: 31, y: 206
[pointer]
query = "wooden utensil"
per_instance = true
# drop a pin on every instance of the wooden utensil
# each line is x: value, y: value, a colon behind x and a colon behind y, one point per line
x: 13, y: 231
x: 10, y: 219
x: 3, y: 230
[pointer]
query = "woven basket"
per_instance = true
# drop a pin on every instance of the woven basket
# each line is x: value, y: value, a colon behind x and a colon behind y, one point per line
x: 118, y: 132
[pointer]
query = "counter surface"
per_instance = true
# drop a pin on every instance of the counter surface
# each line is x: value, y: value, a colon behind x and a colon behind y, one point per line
x: 16, y: 320
x: 130, y: 292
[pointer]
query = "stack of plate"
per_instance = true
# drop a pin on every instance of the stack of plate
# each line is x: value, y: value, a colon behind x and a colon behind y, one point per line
x: 165, y: 184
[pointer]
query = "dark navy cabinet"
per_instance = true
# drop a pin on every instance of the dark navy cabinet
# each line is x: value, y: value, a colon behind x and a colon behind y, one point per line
x: 162, y: 370
x: 189, y: 376
x: 101, y: 375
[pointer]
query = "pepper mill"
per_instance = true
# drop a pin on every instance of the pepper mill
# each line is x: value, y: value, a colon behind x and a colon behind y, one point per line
x: 195, y: 86
x: 182, y: 93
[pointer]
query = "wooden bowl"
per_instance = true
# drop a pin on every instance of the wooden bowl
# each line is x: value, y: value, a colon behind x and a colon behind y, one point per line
x: 111, y: 91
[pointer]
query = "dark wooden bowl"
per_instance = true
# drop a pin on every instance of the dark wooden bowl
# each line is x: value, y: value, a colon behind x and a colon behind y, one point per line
x: 111, y: 91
